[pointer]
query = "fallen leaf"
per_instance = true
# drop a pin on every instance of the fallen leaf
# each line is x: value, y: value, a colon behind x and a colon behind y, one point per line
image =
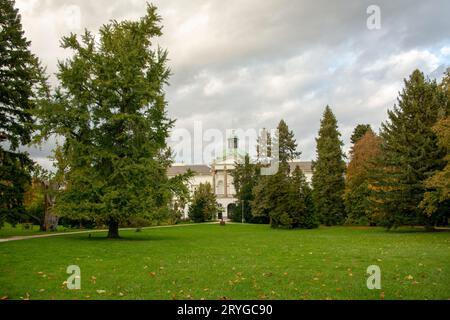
x: 4, y: 298
x: 409, y: 277
x: 101, y: 291
x: 382, y: 295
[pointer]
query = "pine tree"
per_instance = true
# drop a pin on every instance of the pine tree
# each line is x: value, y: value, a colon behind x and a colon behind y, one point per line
x: 287, y: 145
x: 245, y: 178
x: 328, y: 176
x: 21, y: 82
x: 280, y: 198
x: 204, y: 205
x: 410, y: 153
x: 357, y: 193
x: 359, y: 132
x: 300, y: 201
x: 110, y: 107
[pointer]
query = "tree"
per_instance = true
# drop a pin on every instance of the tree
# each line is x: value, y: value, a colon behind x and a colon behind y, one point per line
x: 364, y: 153
x: 21, y: 83
x: 204, y: 205
x: 284, y: 200
x: 328, y: 176
x: 359, y: 132
x: 437, y: 196
x: 110, y: 108
x: 300, y: 200
x: 245, y: 177
x: 287, y: 145
x: 271, y: 200
x: 410, y: 153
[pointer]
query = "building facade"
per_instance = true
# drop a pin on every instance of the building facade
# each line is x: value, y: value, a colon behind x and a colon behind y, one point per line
x: 218, y: 174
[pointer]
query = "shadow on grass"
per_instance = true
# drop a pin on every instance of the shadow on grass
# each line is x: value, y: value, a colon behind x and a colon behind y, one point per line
x: 124, y: 238
x: 404, y: 230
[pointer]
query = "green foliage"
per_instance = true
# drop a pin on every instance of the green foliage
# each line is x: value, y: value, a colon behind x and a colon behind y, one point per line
x: 410, y: 153
x: 287, y: 144
x: 357, y: 186
x: 437, y: 197
x: 110, y: 107
x: 284, y: 200
x: 204, y: 205
x: 329, y: 168
x: 359, y: 132
x: 245, y: 177
x: 301, y: 203
x: 21, y: 85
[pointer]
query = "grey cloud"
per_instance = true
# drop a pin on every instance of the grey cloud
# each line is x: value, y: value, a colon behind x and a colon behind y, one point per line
x: 247, y: 64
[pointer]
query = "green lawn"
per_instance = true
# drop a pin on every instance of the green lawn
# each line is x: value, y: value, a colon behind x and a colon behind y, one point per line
x: 8, y: 230
x: 234, y: 262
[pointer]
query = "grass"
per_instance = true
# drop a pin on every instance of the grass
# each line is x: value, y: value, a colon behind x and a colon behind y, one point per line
x: 8, y: 230
x: 231, y: 262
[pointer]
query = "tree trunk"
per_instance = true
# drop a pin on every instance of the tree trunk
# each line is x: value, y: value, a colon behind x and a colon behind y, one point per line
x: 44, y: 226
x: 113, y: 232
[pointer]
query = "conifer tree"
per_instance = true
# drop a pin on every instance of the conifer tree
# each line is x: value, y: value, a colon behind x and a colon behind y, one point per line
x: 21, y: 84
x: 245, y: 177
x: 328, y: 172
x: 359, y: 132
x: 300, y: 201
x: 275, y: 196
x: 287, y: 144
x: 410, y: 153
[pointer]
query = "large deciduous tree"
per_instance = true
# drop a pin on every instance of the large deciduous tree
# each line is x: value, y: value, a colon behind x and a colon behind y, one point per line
x: 328, y: 172
x: 110, y: 108
x: 21, y: 85
x: 437, y: 197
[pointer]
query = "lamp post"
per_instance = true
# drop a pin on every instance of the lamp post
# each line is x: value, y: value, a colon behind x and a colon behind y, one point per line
x: 243, y: 211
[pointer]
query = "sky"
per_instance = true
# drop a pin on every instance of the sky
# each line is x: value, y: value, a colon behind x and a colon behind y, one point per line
x: 247, y: 64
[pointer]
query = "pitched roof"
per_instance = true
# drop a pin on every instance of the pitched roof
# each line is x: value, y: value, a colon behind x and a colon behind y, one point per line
x: 200, y: 169
x: 305, y: 166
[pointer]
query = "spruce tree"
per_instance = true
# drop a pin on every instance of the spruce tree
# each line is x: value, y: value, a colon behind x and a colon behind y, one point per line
x: 245, y: 177
x: 275, y: 197
x: 287, y: 145
x: 21, y: 83
x: 359, y: 132
x: 410, y: 153
x: 328, y: 172
x: 300, y: 202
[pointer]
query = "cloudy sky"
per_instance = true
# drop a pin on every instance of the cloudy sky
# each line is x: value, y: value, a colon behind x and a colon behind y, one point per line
x: 248, y: 63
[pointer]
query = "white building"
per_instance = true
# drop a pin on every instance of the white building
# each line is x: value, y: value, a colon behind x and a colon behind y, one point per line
x: 218, y: 175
